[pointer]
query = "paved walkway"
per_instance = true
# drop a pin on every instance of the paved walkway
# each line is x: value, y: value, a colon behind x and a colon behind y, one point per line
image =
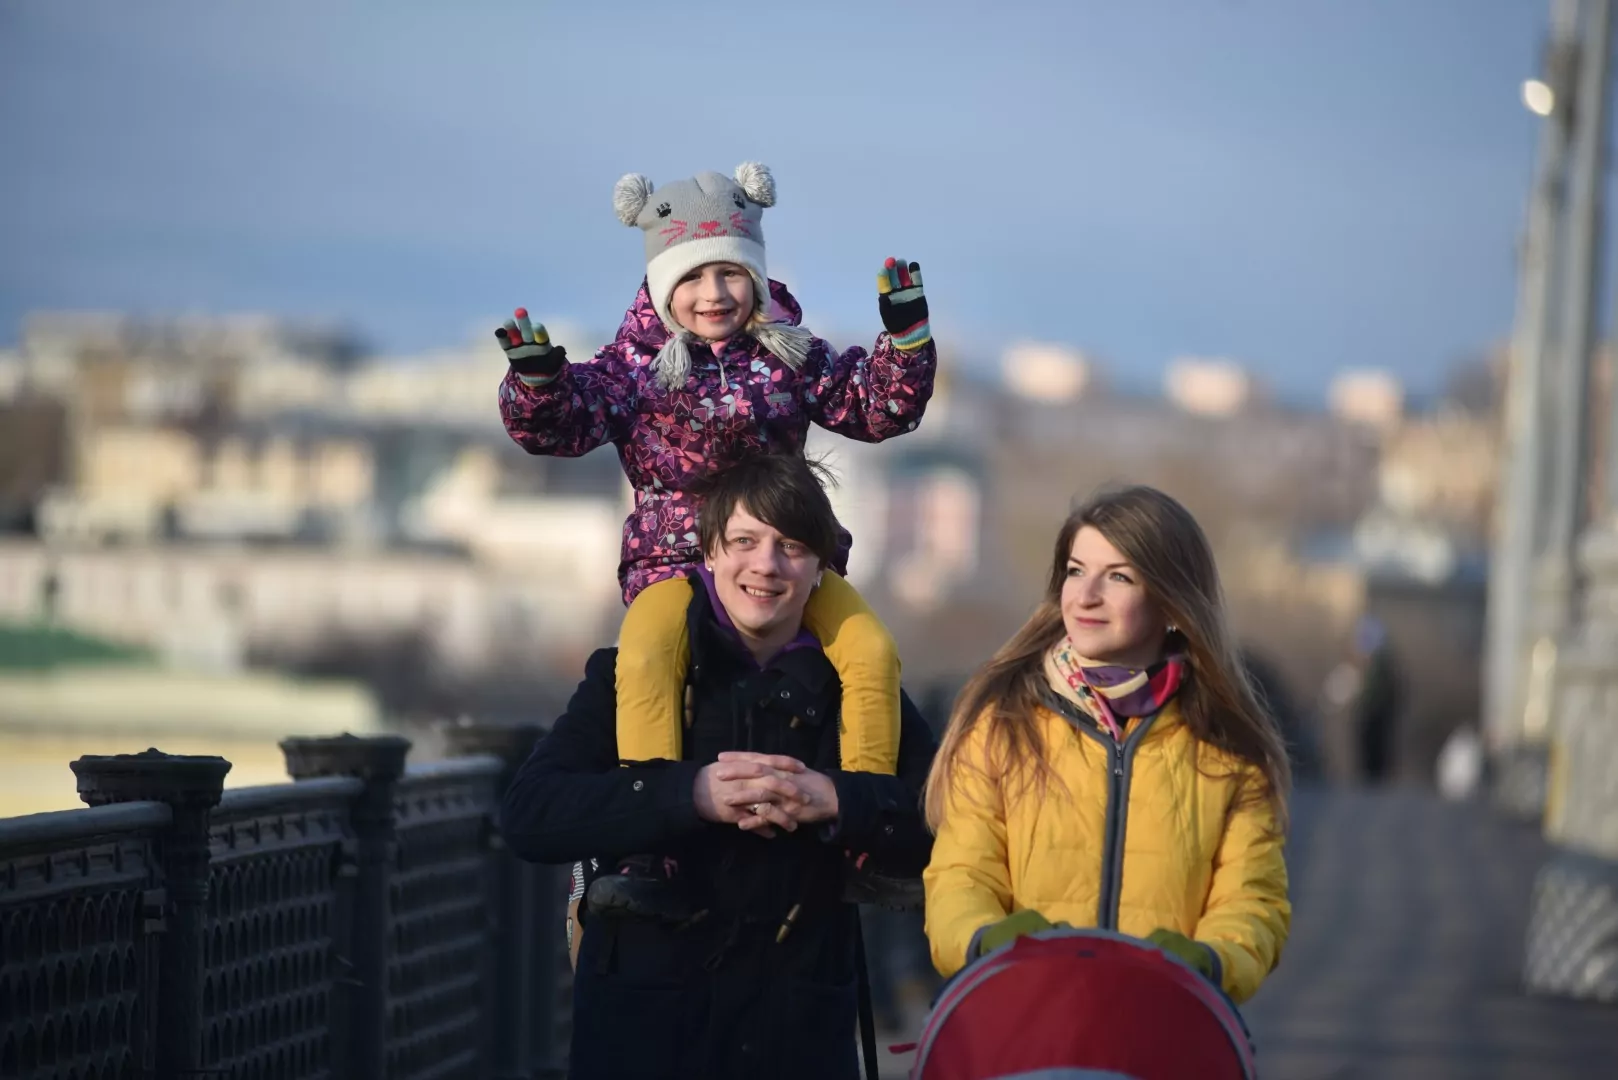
x: 1406, y: 950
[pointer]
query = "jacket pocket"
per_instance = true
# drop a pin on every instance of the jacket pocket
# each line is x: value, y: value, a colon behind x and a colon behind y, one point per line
x: 627, y: 1028
x: 821, y: 1039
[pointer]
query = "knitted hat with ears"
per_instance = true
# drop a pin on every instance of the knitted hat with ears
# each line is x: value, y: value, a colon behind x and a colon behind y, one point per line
x: 707, y: 219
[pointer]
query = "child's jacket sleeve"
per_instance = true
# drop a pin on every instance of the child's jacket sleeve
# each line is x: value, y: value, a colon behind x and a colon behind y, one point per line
x: 587, y: 405
x: 871, y: 397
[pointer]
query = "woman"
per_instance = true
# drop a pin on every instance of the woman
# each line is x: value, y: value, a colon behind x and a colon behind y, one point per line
x: 729, y: 949
x: 1111, y: 767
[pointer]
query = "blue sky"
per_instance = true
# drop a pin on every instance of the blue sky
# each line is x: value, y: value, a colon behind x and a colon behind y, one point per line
x: 1302, y: 185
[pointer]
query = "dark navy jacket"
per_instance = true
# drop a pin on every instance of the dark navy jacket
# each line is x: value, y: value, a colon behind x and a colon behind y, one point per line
x: 721, y: 998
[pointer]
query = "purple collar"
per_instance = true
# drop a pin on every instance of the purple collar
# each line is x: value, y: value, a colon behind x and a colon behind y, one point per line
x: 804, y: 640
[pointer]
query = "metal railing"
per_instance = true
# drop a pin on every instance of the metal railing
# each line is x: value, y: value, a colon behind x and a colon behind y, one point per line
x: 78, y: 897
x: 361, y: 921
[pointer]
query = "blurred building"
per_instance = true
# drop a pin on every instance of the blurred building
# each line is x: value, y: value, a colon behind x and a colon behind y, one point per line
x: 936, y: 539
x: 238, y: 492
x: 1372, y: 398
x: 1046, y: 372
x: 1275, y: 464
x: 449, y: 388
x: 1443, y: 466
x: 11, y: 374
x: 1419, y: 552
x: 212, y: 608
x: 34, y: 456
x: 1209, y: 387
x: 142, y: 483
x: 229, y: 490
x: 916, y: 505
x: 445, y: 388
x: 573, y: 535
x: 114, y: 368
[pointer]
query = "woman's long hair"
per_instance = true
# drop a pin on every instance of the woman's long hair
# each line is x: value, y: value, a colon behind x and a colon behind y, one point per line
x: 1167, y: 547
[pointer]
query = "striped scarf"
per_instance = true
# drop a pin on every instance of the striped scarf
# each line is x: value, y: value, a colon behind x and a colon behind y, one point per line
x: 1111, y: 694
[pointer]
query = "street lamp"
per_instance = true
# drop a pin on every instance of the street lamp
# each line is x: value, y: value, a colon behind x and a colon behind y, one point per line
x: 1538, y: 96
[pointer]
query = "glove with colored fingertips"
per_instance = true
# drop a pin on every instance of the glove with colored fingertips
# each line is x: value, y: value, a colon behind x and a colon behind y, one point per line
x: 529, y: 350
x: 1195, y: 953
x: 903, y: 304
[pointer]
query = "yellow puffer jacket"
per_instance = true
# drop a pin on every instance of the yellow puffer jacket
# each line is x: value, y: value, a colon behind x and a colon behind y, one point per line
x: 1191, y: 860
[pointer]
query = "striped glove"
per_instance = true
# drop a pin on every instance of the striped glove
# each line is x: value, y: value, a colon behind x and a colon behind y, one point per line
x: 529, y: 350
x: 903, y: 304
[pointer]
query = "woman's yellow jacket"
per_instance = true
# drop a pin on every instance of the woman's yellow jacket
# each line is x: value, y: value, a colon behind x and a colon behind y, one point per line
x: 1131, y: 836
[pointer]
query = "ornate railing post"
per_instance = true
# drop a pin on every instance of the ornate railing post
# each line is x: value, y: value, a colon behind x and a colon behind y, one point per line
x: 191, y: 786
x: 527, y: 925
x: 378, y: 761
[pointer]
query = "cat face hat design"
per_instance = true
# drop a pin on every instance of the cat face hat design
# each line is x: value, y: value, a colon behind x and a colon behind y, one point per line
x: 689, y: 223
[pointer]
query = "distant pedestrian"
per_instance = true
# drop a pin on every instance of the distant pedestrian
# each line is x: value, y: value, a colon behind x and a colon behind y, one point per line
x: 1379, y: 699
x: 1270, y: 687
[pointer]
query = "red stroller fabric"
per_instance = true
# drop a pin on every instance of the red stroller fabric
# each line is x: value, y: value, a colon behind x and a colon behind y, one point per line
x: 1071, y: 1004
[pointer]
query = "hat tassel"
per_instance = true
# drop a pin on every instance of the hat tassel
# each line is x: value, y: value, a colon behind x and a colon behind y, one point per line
x: 790, y: 344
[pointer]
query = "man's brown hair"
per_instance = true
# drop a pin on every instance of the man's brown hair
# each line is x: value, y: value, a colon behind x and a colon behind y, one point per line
x: 785, y: 491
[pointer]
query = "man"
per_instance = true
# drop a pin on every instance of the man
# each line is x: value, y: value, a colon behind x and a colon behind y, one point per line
x: 734, y: 956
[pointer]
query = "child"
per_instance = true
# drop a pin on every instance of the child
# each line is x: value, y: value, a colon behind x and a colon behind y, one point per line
x: 710, y: 365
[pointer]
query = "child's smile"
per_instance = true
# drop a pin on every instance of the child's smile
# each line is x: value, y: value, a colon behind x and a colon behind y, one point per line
x: 714, y: 301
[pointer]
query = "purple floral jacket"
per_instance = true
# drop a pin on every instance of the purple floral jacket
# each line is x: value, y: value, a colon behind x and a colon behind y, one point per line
x: 739, y: 402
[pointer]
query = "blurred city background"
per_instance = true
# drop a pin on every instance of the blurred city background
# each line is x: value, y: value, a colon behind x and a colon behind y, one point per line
x: 252, y: 464
x: 1268, y: 256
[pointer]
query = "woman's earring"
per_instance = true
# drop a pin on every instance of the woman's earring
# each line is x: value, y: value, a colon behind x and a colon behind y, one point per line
x: 818, y: 578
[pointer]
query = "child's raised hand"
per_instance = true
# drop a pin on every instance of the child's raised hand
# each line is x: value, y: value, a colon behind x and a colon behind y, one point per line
x: 903, y: 304
x: 529, y: 350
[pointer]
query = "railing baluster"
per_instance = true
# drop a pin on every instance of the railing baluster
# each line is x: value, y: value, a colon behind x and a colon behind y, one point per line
x: 528, y: 926
x: 191, y: 786
x: 378, y: 761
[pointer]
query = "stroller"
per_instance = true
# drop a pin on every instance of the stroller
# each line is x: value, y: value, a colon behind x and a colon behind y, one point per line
x: 1082, y: 1003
